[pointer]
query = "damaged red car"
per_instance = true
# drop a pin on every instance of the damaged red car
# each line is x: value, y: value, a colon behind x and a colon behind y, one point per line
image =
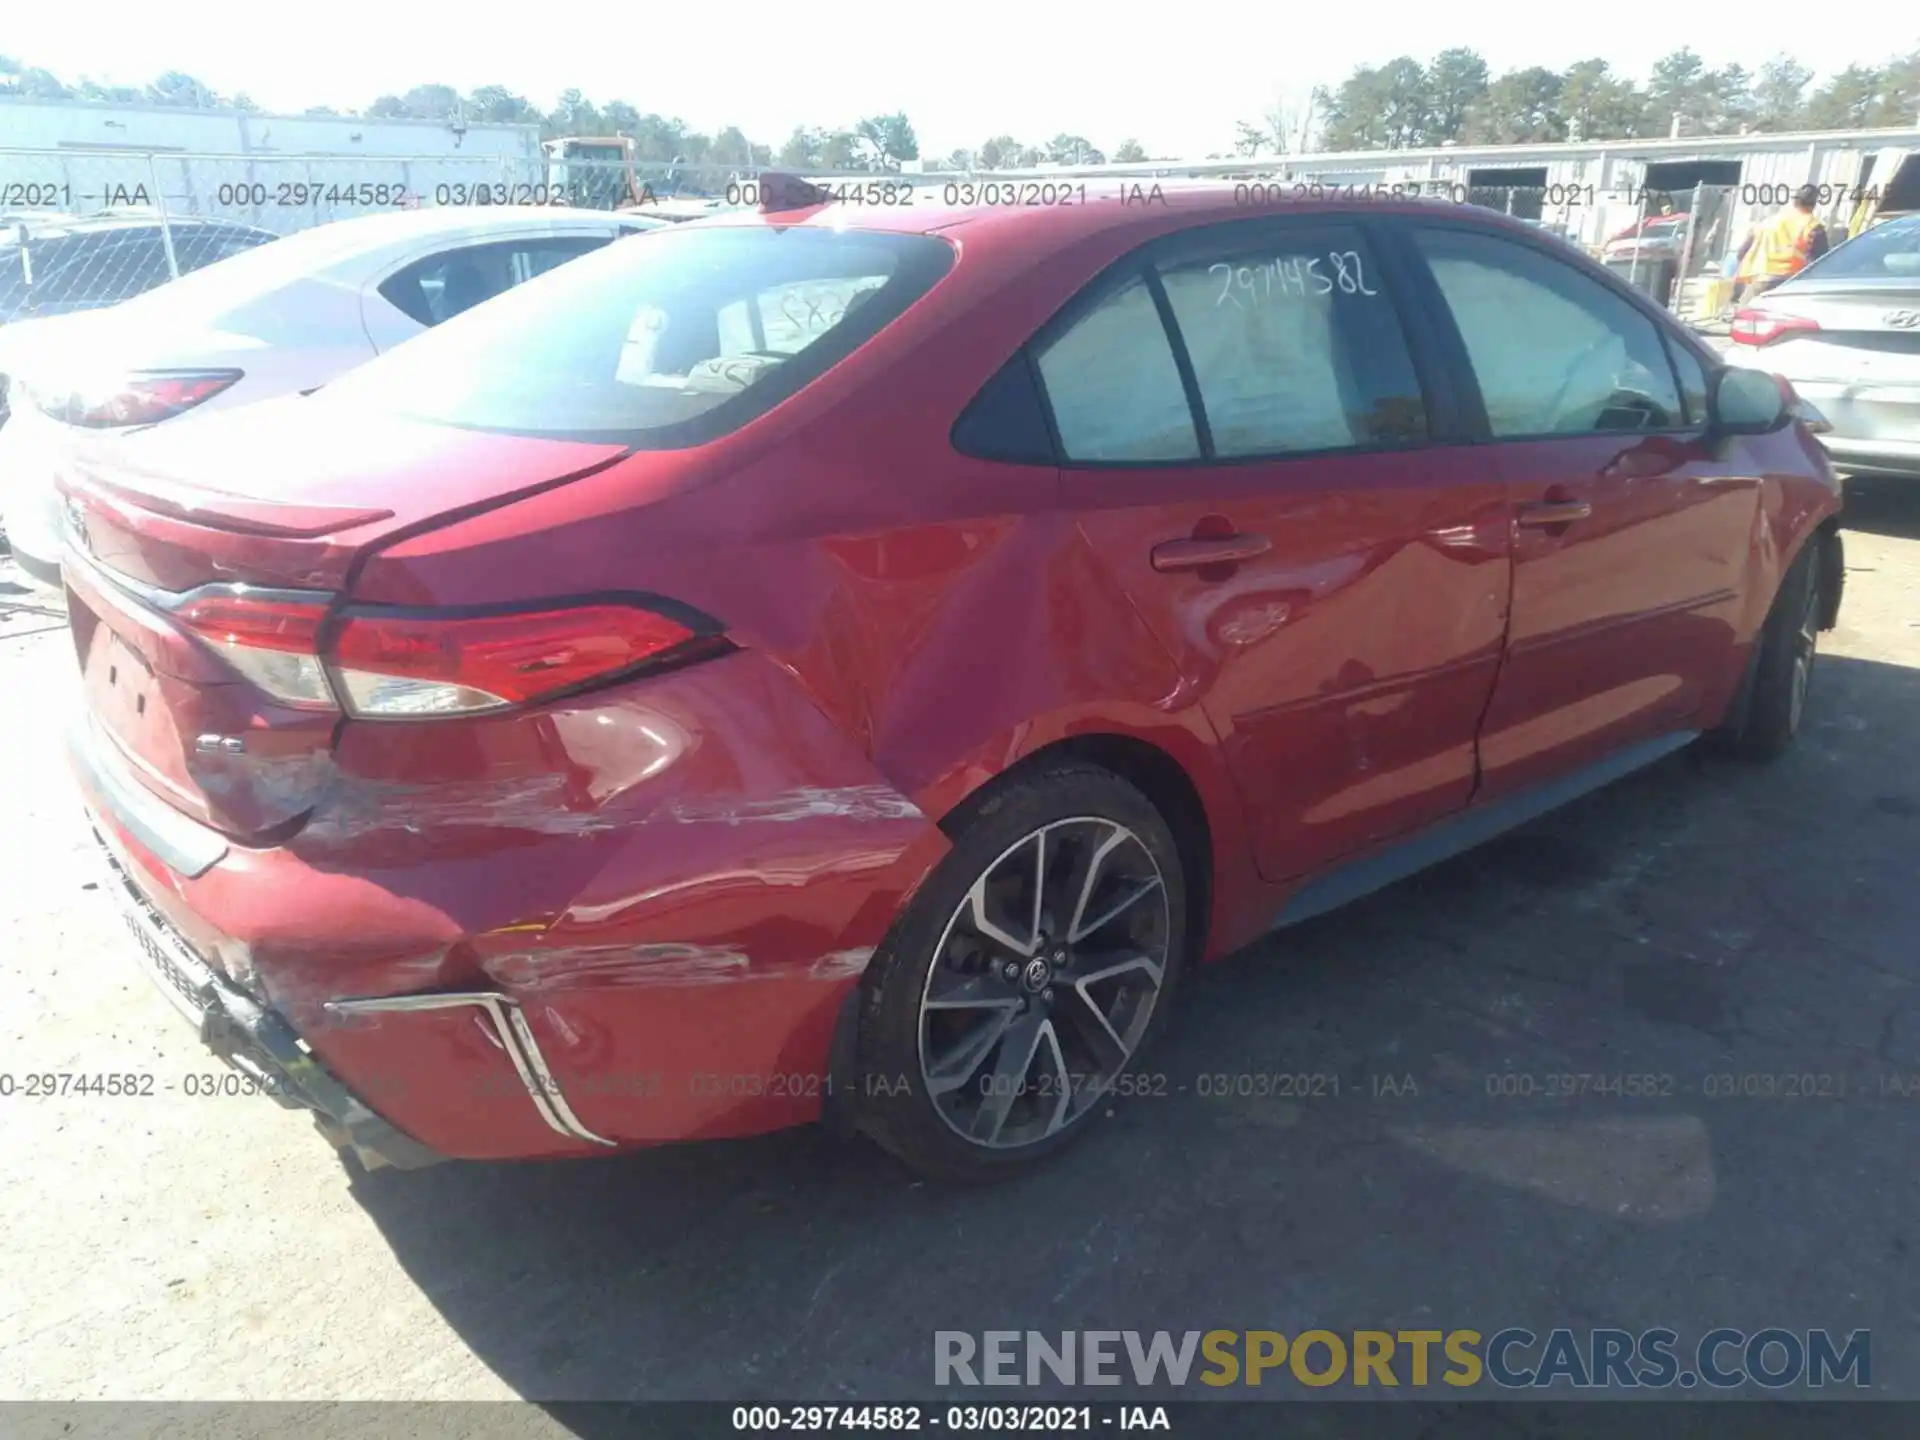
x: 848, y: 663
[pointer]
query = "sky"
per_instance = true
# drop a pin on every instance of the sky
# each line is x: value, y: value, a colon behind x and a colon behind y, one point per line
x: 1174, y: 77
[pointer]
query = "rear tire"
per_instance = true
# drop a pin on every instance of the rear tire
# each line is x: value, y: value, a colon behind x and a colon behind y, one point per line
x: 1025, y: 978
x: 1780, y: 672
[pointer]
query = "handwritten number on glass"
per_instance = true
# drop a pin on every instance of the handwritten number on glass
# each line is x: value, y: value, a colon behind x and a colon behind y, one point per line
x: 820, y: 315
x: 1244, y: 286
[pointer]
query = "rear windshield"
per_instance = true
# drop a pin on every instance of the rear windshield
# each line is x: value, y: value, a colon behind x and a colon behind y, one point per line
x: 661, y: 340
x: 1889, y: 251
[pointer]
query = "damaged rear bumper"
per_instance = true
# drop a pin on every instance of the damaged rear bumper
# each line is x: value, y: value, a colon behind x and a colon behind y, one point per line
x: 252, y: 1038
x: 632, y: 919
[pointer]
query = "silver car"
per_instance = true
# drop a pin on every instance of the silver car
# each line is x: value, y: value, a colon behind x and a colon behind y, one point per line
x: 1846, y: 332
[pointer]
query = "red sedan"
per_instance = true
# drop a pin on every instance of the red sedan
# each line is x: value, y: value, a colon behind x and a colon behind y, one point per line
x: 850, y: 662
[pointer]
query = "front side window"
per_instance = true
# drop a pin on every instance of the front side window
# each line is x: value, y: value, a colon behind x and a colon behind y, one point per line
x: 1555, y: 352
x: 652, y: 342
x: 1693, y: 380
x: 541, y: 256
x: 1296, y: 347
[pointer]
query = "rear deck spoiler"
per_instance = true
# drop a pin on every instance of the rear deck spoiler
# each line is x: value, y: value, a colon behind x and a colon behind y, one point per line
x: 247, y: 515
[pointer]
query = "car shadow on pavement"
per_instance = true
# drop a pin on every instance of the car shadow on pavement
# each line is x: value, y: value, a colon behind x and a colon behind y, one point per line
x: 1883, y: 505
x: 1357, y: 1127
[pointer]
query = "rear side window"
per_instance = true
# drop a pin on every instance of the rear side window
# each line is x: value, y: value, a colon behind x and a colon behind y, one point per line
x: 1555, y: 352
x: 1115, y: 387
x: 1007, y: 419
x: 1295, y: 346
x: 1288, y: 343
x: 667, y: 339
x: 195, y: 250
x: 441, y: 286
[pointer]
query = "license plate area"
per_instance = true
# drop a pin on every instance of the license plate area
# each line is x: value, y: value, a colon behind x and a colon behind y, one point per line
x: 130, y: 702
x: 120, y: 687
x: 178, y: 973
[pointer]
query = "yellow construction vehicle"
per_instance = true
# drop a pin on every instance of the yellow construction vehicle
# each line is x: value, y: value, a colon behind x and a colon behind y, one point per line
x: 595, y: 171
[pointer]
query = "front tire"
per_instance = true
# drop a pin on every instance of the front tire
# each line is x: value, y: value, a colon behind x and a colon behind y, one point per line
x: 1781, y: 670
x: 1025, y: 978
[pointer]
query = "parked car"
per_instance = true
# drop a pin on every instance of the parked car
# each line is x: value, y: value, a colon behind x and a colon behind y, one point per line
x: 851, y: 662
x: 1657, y: 237
x: 60, y: 265
x: 278, y: 319
x: 677, y: 209
x: 1556, y: 228
x: 1846, y: 332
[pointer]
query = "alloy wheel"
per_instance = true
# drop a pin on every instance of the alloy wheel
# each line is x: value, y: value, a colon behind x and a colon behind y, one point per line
x: 1044, y: 982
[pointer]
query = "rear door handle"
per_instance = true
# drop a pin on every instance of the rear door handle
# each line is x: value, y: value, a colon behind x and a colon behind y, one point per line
x: 1554, y: 512
x: 1198, y: 554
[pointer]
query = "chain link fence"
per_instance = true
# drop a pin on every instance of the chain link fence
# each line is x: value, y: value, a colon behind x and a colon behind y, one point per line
x: 83, y: 229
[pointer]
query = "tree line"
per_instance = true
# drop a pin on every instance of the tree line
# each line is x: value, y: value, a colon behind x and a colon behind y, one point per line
x: 1453, y: 98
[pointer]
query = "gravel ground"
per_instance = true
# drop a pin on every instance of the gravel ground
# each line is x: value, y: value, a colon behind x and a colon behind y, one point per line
x: 1698, y: 920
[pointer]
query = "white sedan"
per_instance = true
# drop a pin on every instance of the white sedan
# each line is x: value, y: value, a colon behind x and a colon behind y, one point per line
x: 1845, y: 332
x: 283, y: 318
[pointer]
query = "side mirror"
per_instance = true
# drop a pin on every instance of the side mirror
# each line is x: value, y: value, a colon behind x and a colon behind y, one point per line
x: 1747, y: 402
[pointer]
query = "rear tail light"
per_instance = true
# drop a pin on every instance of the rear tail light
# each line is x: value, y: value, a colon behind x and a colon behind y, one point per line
x: 1763, y: 327
x: 268, y: 637
x: 407, y: 664
x: 399, y: 665
x: 138, y: 398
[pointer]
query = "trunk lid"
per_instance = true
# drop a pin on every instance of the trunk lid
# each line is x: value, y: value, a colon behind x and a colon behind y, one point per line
x: 1868, y: 330
x: 287, y: 493
x: 1862, y: 366
x: 284, y: 496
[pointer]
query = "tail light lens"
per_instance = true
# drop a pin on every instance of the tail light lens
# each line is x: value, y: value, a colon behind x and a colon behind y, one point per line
x: 269, y: 638
x: 138, y: 398
x: 1763, y: 327
x: 402, y: 665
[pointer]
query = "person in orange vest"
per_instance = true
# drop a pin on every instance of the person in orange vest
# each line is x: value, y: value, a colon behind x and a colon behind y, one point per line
x: 1783, y: 246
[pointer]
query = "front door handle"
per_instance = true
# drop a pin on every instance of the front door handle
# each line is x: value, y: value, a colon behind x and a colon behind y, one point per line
x: 1554, y: 512
x: 1200, y: 553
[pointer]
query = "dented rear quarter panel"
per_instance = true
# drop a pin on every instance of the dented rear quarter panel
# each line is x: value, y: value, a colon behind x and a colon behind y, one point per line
x: 740, y: 835
x: 678, y: 879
